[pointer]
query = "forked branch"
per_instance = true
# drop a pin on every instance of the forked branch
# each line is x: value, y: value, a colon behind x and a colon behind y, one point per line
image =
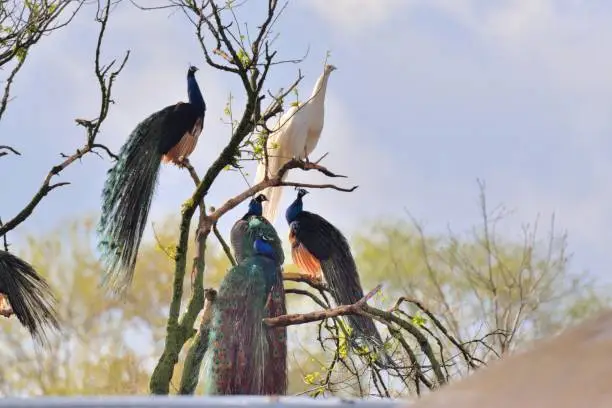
x: 106, y: 79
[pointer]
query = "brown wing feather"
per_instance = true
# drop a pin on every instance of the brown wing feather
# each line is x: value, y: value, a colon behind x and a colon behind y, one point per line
x: 185, y: 146
x: 303, y: 258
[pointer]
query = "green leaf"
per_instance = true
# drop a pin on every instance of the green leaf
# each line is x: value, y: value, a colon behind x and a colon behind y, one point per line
x: 312, y: 377
x: 419, y: 320
x: 21, y: 54
x: 317, y: 392
x: 343, y: 343
x: 243, y: 57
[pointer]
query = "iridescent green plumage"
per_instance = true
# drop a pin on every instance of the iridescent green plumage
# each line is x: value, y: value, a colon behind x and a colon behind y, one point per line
x: 244, y: 356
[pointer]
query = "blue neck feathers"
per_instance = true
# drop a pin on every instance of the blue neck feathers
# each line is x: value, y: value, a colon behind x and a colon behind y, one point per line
x: 194, y: 94
x: 264, y: 248
x: 255, y: 208
x: 294, y: 210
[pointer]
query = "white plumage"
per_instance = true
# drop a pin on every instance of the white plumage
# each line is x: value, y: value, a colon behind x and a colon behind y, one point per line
x: 296, y: 135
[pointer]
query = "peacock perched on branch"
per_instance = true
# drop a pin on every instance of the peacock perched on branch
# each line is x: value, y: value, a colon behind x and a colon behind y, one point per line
x: 317, y: 246
x: 295, y: 136
x: 167, y: 136
x: 29, y: 297
x: 244, y: 356
x: 243, y: 234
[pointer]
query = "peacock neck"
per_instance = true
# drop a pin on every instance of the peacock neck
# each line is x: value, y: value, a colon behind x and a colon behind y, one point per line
x: 255, y: 208
x: 194, y: 94
x: 294, y: 210
x: 318, y: 93
x: 263, y: 248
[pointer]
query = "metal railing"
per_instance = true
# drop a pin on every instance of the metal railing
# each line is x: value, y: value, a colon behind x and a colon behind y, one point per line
x: 183, y: 401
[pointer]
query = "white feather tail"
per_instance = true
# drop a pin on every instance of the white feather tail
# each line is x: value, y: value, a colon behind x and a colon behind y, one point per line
x: 273, y: 194
x: 276, y: 159
x: 270, y: 207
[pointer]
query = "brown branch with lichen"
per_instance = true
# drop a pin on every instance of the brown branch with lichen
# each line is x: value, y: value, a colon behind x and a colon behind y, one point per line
x: 343, y: 310
x: 397, y: 327
x: 195, y: 355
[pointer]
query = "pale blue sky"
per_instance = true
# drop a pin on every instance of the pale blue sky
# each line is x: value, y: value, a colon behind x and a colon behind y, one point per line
x: 428, y: 96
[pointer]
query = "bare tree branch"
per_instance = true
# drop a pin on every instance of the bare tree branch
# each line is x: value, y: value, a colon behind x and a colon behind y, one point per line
x: 106, y: 80
x: 290, y: 320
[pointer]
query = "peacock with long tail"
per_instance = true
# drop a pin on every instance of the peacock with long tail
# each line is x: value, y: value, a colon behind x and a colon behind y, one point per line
x: 24, y: 293
x: 244, y: 356
x: 295, y: 136
x: 319, y: 247
x: 243, y: 234
x: 167, y: 136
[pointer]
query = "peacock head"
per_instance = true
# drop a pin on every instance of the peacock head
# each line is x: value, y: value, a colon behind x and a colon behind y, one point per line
x: 261, y: 198
x: 329, y: 69
x: 301, y: 192
x: 296, y: 207
x: 255, y: 207
x: 192, y: 70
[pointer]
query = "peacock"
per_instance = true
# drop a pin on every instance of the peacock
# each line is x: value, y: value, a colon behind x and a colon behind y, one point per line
x: 317, y: 246
x: 277, y: 362
x: 29, y: 297
x: 167, y: 136
x: 295, y: 136
x: 244, y: 356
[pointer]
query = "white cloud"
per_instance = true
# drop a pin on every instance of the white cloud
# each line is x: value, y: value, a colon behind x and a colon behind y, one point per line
x: 519, y: 74
x: 355, y: 15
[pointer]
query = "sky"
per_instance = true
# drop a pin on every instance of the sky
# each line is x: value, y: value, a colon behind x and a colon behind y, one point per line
x: 429, y: 96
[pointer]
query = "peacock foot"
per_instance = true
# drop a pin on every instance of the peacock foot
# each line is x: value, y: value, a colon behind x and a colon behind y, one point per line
x: 316, y: 279
x: 5, y: 308
x: 182, y: 161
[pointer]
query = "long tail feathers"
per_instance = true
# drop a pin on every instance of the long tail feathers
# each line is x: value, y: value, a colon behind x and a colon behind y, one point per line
x: 273, y: 194
x: 270, y: 207
x: 235, y: 360
x: 29, y: 295
x: 126, y: 200
x: 341, y: 274
x: 275, y: 375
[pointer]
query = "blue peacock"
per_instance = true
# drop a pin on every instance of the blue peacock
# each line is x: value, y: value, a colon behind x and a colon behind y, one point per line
x: 319, y: 247
x: 167, y: 136
x: 244, y: 356
x: 29, y: 296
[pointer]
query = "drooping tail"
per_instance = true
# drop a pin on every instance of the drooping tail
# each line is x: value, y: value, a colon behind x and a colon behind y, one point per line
x: 235, y: 360
x: 341, y: 275
x: 270, y: 207
x: 273, y: 194
x: 126, y: 200
x: 244, y: 234
x: 29, y: 295
x: 275, y: 374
